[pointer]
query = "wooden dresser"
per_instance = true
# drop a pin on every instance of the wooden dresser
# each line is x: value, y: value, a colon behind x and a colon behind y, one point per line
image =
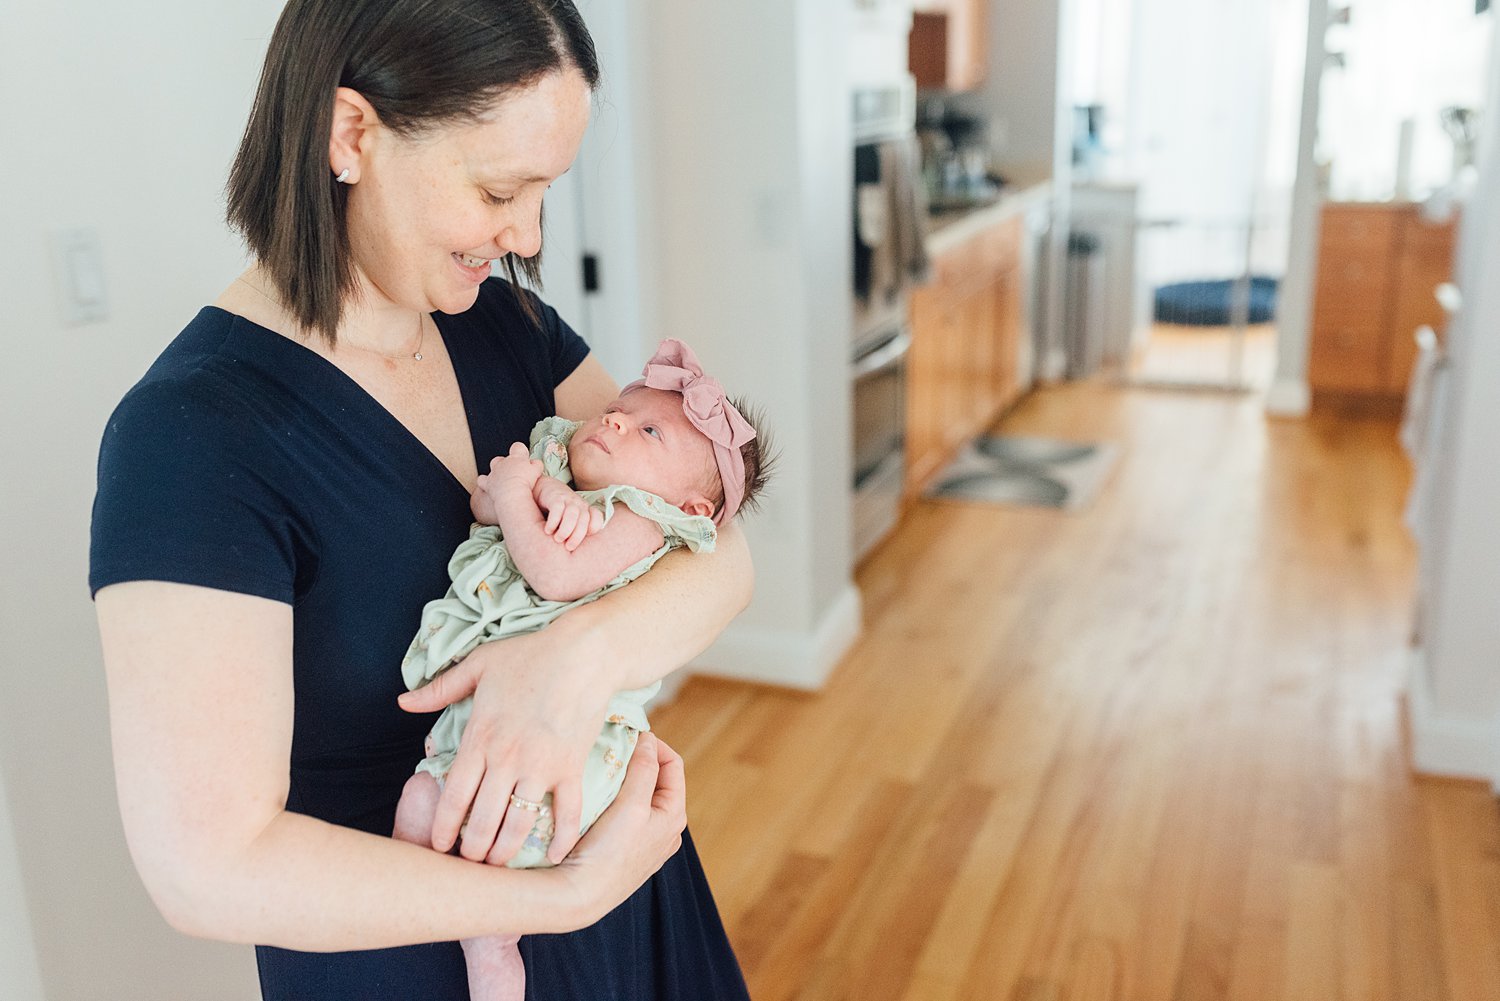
x: 1379, y: 264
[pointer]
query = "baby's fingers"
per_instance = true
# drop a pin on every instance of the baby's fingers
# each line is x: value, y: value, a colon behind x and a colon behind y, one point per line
x: 566, y: 524
x: 580, y: 531
x: 596, y: 520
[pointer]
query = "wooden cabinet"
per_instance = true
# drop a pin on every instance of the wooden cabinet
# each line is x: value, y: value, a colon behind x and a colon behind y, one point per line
x: 1378, y: 267
x: 965, y: 354
x: 949, y: 44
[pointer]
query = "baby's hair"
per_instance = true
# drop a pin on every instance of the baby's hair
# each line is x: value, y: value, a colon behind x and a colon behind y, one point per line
x: 759, y: 454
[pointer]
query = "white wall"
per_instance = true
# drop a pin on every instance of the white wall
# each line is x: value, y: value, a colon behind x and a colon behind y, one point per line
x: 1455, y: 688
x: 18, y: 967
x: 121, y: 118
x: 1403, y: 60
x: 748, y: 248
x: 1020, y: 92
x: 1289, y: 395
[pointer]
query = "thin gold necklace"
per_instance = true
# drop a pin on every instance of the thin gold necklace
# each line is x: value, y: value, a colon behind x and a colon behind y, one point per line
x: 415, y: 355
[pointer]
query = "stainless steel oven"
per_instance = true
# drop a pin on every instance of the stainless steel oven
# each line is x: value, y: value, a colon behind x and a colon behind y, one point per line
x: 879, y: 378
x: 884, y: 227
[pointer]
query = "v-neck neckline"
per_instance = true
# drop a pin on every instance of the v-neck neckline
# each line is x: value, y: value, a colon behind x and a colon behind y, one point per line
x: 328, y: 368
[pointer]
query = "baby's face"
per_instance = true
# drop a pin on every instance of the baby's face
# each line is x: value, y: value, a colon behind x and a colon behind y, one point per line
x: 644, y: 439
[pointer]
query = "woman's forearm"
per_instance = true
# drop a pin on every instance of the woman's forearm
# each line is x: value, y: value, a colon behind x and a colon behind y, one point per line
x: 308, y: 885
x: 639, y: 634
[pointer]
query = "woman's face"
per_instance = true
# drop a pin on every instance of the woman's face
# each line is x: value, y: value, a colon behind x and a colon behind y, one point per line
x: 426, y: 215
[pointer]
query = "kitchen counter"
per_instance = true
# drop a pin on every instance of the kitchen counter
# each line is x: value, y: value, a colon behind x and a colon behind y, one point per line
x: 950, y: 228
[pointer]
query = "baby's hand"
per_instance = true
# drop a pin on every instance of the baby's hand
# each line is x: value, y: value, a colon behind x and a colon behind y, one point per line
x: 517, y: 467
x: 570, y: 519
x: 482, y: 503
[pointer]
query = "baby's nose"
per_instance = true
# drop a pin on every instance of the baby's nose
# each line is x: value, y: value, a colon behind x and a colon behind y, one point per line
x: 614, y: 420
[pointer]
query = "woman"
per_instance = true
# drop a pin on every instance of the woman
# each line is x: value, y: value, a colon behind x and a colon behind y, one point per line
x: 279, y: 494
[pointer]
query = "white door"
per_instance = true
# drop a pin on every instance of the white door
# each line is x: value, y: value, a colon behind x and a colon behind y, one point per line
x: 594, y: 210
x: 562, y: 253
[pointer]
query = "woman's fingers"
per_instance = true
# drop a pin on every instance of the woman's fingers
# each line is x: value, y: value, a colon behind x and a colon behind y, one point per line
x: 641, y: 774
x: 567, y: 811
x: 671, y: 779
x: 458, y: 682
x: 486, y: 816
x: 458, y: 792
x: 519, y: 820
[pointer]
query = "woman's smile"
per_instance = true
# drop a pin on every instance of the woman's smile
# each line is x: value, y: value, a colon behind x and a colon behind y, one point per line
x: 475, y: 269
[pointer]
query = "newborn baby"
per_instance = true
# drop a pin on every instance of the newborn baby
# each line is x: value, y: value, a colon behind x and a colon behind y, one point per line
x: 665, y: 463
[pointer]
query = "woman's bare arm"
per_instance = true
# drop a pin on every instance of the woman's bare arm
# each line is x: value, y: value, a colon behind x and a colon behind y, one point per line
x: 666, y: 617
x: 200, y: 685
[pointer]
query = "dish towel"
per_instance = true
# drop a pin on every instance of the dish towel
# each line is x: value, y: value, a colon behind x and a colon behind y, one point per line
x: 890, y: 220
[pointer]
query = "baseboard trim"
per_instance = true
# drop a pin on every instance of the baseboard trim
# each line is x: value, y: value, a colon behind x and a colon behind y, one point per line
x: 801, y: 660
x: 1444, y: 745
x: 1288, y: 398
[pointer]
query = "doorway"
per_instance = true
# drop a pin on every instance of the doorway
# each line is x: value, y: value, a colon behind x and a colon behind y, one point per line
x: 1192, y: 109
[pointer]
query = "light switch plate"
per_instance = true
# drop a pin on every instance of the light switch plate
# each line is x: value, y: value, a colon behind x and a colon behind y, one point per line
x: 78, y: 261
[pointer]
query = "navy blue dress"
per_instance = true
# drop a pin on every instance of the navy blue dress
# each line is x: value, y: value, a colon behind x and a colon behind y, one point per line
x: 245, y: 462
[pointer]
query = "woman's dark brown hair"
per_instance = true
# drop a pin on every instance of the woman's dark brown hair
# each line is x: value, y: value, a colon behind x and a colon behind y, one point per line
x: 421, y: 64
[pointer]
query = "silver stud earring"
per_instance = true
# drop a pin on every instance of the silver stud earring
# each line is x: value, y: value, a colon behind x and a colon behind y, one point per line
x: 343, y: 176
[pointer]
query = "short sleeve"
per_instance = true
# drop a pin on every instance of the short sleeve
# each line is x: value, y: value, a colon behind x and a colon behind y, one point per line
x: 565, y: 349
x: 187, y: 494
x: 549, y: 446
x: 695, y: 531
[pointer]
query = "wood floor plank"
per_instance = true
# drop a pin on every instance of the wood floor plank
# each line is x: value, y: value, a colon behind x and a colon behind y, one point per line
x: 1461, y: 821
x: 1151, y: 751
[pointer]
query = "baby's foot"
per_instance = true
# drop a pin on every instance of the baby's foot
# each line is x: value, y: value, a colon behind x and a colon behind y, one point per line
x: 417, y: 809
x: 496, y: 972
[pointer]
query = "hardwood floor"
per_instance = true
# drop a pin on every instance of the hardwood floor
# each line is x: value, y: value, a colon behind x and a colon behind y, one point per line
x: 1202, y: 356
x: 1150, y: 751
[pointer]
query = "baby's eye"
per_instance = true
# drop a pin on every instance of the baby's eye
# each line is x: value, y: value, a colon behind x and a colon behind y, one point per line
x: 652, y: 430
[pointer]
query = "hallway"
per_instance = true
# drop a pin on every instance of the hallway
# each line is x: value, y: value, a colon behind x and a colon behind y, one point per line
x: 1150, y: 751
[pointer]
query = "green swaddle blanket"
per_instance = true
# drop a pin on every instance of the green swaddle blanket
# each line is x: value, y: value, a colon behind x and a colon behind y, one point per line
x: 490, y: 600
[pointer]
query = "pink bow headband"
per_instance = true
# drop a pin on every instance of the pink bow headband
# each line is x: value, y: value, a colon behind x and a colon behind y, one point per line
x: 674, y: 367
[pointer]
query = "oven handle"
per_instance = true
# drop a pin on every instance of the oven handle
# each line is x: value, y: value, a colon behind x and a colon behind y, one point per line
x: 884, y: 355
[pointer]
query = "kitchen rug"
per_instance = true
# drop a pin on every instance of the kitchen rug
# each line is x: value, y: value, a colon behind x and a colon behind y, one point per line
x: 1041, y: 472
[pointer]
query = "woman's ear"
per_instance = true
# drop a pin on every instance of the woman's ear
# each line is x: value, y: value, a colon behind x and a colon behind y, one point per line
x: 354, y: 119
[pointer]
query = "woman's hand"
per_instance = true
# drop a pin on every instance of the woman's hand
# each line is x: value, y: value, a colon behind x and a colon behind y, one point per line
x: 641, y: 829
x: 538, y: 706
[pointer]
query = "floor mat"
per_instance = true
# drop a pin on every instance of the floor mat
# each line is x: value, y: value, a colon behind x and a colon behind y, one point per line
x: 1041, y: 472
